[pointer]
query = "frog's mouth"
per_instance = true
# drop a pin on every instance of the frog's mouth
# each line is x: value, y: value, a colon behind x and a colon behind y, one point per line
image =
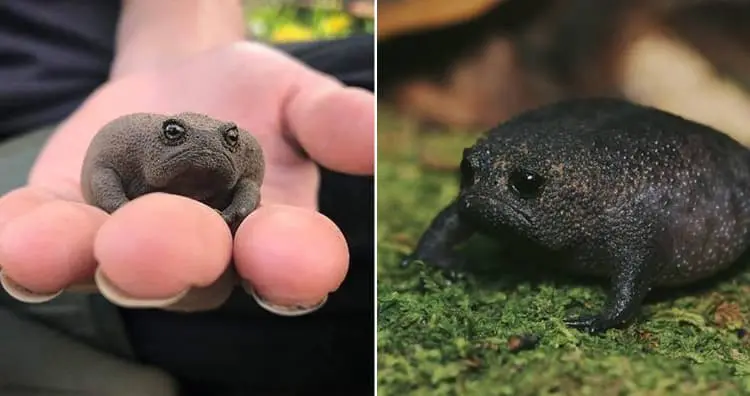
x: 483, y: 209
x: 201, y: 158
x: 191, y: 163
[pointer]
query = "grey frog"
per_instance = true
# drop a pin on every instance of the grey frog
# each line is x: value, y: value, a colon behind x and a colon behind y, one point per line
x: 188, y: 154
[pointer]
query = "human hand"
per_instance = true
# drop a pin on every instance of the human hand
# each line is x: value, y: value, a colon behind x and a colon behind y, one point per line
x: 159, y: 246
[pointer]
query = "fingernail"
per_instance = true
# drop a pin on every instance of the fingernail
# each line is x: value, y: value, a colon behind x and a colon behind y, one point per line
x: 282, y: 310
x: 118, y: 297
x: 23, y: 294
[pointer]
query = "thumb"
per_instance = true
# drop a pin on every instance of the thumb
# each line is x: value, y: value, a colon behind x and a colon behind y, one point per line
x: 335, y: 125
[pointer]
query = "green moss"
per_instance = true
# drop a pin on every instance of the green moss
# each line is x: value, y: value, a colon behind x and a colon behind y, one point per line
x: 441, y: 337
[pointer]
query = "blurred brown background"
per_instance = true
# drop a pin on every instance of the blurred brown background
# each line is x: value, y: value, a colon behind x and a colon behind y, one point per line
x: 474, y: 63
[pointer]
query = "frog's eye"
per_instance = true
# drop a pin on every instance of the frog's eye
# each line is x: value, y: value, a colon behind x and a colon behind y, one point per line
x: 525, y: 183
x: 173, y: 131
x: 467, y: 174
x: 232, y: 136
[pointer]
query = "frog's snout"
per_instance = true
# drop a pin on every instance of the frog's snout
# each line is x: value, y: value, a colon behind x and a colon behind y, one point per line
x: 473, y: 207
x: 470, y: 201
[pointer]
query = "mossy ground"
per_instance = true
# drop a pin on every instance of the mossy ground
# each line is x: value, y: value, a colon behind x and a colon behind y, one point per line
x: 437, y: 337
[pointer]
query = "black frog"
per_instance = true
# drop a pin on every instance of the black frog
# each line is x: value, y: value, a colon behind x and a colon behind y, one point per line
x: 613, y: 189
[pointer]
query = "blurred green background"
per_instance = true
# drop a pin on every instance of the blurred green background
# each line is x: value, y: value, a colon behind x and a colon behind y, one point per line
x: 291, y: 21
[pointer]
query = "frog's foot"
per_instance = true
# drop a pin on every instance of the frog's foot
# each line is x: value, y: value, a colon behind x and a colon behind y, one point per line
x: 234, y: 216
x: 593, y: 323
x: 444, y: 261
x: 631, y: 281
x: 449, y: 264
x: 621, y: 308
x: 435, y: 246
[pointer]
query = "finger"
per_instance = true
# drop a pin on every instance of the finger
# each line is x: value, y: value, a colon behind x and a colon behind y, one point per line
x: 191, y: 299
x: 158, y: 247
x: 335, y: 125
x: 49, y: 248
x: 290, y: 256
x: 20, y: 202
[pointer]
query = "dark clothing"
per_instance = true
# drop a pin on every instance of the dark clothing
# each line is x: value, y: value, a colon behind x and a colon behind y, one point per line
x: 52, y: 55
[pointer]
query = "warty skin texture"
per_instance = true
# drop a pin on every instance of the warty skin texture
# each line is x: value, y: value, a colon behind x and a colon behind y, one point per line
x: 188, y: 154
x: 610, y: 188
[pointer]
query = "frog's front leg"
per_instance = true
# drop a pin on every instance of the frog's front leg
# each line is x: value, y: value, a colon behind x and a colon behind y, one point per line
x: 631, y: 280
x: 435, y: 247
x: 106, y: 190
x: 246, y: 199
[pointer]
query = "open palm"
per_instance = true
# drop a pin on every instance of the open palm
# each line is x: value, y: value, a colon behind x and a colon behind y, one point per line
x: 159, y: 246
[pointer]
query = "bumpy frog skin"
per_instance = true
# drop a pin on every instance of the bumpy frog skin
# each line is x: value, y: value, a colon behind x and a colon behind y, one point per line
x: 187, y: 154
x: 611, y: 188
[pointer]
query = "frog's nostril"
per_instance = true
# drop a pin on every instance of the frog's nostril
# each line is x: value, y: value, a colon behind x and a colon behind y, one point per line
x: 467, y: 202
x: 463, y: 203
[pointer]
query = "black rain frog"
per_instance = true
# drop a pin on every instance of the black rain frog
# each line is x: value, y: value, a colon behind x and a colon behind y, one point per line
x: 611, y: 188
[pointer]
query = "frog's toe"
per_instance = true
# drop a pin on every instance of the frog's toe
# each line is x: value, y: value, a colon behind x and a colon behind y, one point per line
x: 446, y: 261
x: 453, y: 275
x: 406, y: 261
x: 590, y: 323
x: 233, y: 218
x: 450, y: 264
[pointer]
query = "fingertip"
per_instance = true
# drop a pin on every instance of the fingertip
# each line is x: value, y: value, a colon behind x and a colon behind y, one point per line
x: 159, y: 245
x: 336, y: 126
x: 24, y: 294
x: 51, y: 246
x: 20, y: 202
x: 291, y: 255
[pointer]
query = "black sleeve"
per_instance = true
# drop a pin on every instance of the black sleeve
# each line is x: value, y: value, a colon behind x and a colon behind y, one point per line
x: 53, y: 54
